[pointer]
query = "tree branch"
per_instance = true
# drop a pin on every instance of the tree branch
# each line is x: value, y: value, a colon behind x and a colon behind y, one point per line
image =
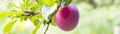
x: 46, y: 28
x: 51, y: 15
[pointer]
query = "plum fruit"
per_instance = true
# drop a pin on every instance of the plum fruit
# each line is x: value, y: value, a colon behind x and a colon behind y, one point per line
x: 67, y: 17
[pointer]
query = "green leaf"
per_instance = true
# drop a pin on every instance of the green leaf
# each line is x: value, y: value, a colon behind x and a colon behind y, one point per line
x: 40, y: 2
x: 36, y: 19
x: 24, y: 5
x: 36, y: 28
x: 48, y: 2
x: 33, y: 6
x: 23, y: 18
x: 25, y: 1
x: 53, y: 22
x: 11, y: 14
x: 37, y: 23
x: 7, y: 28
x: 39, y: 15
x: 66, y: 2
x: 4, y: 14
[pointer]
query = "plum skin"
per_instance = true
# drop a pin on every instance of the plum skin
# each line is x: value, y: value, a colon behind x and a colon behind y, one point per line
x: 67, y: 17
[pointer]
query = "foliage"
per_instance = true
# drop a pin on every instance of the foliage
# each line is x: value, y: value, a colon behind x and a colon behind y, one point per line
x: 8, y: 27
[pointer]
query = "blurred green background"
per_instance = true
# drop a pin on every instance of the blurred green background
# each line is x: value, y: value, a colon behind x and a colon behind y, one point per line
x: 96, y: 17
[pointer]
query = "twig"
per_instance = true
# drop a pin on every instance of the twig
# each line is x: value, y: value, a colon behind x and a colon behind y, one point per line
x: 30, y: 13
x: 46, y: 28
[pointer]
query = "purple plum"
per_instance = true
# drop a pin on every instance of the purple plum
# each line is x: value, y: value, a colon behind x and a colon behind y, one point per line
x: 67, y: 17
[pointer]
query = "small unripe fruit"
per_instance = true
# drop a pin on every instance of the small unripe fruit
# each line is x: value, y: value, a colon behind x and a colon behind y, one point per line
x: 67, y: 17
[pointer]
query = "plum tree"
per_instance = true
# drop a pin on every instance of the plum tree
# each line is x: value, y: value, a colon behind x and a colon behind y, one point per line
x: 67, y: 17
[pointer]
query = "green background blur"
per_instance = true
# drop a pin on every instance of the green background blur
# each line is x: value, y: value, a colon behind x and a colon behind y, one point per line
x: 96, y: 17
